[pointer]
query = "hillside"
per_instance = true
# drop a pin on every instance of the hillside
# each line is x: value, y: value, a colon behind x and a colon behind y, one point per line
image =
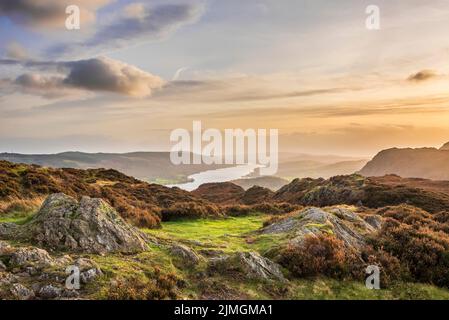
x: 147, y: 166
x: 372, y: 192
x: 428, y: 163
x: 311, y: 239
x: 142, y: 203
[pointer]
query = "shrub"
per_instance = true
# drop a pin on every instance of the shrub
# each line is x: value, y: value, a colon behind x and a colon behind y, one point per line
x: 390, y: 267
x: 159, y: 287
x: 318, y: 255
x: 238, y: 210
x: 188, y: 210
x: 425, y: 252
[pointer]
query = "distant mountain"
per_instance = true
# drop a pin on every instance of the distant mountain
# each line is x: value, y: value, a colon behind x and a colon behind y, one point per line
x: 428, y: 163
x: 147, y: 166
x: 318, y: 169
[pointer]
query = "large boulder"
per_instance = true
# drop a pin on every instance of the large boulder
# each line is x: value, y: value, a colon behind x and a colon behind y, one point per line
x: 250, y: 265
x: 90, y: 226
x: 340, y: 222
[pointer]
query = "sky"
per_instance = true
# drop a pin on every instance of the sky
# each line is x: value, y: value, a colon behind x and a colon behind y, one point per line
x: 136, y: 70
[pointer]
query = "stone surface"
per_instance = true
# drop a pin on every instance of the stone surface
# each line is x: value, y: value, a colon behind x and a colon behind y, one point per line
x: 187, y: 255
x: 251, y: 265
x: 90, y: 275
x: 374, y: 221
x: 50, y: 292
x: 23, y: 257
x: 21, y: 292
x: 339, y: 221
x: 90, y: 226
x: 7, y: 230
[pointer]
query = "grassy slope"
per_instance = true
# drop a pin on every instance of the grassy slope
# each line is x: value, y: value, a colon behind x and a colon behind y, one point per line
x: 234, y: 234
x: 229, y: 235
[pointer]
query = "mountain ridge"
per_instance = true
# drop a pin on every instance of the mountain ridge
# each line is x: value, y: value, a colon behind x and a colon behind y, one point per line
x: 427, y: 163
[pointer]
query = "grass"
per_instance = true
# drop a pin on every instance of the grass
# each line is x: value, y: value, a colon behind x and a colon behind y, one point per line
x: 17, y: 217
x: 227, y: 234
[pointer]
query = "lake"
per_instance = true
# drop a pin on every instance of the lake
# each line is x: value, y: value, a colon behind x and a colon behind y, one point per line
x: 218, y: 175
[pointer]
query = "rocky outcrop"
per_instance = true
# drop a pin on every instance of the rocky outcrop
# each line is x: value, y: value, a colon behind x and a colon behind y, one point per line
x: 89, y: 226
x: 249, y: 265
x: 187, y: 255
x: 338, y: 221
x: 7, y: 230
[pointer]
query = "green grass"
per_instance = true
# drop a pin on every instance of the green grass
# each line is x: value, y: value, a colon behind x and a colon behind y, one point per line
x: 226, y: 234
x: 17, y: 217
x: 330, y: 289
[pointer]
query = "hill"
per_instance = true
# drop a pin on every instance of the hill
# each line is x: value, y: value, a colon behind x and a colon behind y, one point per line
x: 372, y: 192
x: 141, y: 203
x: 428, y: 163
x: 269, y: 182
x: 147, y: 166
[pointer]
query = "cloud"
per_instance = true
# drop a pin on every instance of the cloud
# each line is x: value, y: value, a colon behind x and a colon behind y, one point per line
x: 422, y: 75
x: 139, y: 23
x: 47, y: 13
x: 104, y: 74
x: 240, y: 89
x: 15, y: 51
x: 98, y: 74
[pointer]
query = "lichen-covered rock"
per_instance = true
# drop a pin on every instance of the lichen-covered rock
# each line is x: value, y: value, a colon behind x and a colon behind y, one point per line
x: 90, y: 275
x: 374, y: 221
x: 338, y: 221
x: 21, y: 292
x: 88, y: 226
x: 250, y: 265
x: 50, y: 292
x: 23, y: 257
x: 187, y: 255
x: 7, y: 229
x: 6, y: 278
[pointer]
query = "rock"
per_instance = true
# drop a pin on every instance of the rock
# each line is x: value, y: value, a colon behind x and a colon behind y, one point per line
x: 374, y: 221
x: 338, y: 221
x: 21, y: 292
x: 90, y: 275
x: 63, y: 261
x: 7, y: 229
x: 24, y: 257
x: 2, y: 266
x: 90, y: 226
x: 85, y: 264
x: 211, y: 252
x: 70, y: 294
x: 251, y: 265
x: 6, y: 278
x: 50, y: 292
x: 188, y: 256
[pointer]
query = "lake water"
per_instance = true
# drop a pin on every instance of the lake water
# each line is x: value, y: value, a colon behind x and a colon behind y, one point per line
x: 218, y: 175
